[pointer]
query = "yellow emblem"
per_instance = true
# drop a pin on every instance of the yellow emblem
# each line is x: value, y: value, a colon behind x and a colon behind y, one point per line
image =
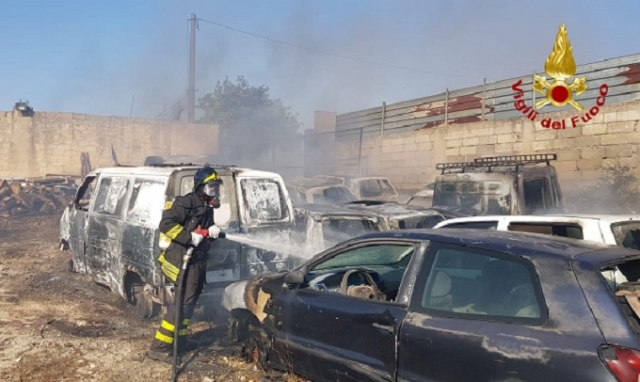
x: 560, y: 66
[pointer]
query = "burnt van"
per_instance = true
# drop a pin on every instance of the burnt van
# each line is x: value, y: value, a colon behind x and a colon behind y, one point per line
x: 111, y: 228
x: 501, y: 185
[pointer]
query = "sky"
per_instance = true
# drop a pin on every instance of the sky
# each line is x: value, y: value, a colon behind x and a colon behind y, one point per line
x: 131, y: 57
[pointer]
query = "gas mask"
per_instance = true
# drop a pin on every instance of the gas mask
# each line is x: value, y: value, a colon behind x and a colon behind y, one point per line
x: 211, y: 191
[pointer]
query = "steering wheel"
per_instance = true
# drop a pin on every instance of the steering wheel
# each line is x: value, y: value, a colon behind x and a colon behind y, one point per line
x: 377, y: 294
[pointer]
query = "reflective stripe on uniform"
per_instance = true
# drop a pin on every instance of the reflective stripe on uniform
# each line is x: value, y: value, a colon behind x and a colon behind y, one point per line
x: 170, y: 270
x: 174, y: 232
x: 163, y: 338
x: 182, y: 332
x: 168, y: 205
x: 185, y: 322
x: 168, y: 326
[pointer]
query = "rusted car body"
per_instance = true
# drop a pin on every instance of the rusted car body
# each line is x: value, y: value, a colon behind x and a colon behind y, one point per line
x: 111, y: 228
x: 423, y: 198
x: 320, y: 226
x: 504, y: 185
x: 366, y: 187
x: 396, y: 216
x: 318, y: 191
x: 449, y: 305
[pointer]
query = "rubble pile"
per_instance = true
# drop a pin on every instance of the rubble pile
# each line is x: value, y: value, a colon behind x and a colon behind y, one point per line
x: 34, y: 196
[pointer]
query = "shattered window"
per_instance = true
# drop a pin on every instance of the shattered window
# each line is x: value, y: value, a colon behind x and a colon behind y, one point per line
x: 627, y: 234
x: 375, y: 187
x: 112, y: 194
x: 537, y: 196
x: 264, y: 200
x: 338, y: 230
x: 147, y: 202
x: 85, y: 193
x: 333, y: 195
x: 475, y: 284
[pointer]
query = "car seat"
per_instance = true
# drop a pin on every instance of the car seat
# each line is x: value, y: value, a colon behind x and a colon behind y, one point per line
x: 440, y: 294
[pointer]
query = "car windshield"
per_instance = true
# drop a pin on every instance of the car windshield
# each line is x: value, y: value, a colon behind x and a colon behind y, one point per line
x: 486, y: 196
x: 333, y: 195
x: 627, y: 234
x: 378, y: 255
x: 338, y: 230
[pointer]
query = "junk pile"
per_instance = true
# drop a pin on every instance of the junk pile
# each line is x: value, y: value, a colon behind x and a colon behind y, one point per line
x: 20, y: 197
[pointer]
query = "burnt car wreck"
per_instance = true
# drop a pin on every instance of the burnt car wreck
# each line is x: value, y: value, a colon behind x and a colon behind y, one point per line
x: 502, y: 185
x: 111, y: 229
x: 373, y: 308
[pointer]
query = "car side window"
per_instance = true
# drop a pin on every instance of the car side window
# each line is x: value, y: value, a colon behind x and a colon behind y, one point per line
x: 86, y: 191
x: 112, y: 195
x: 566, y: 230
x: 470, y: 283
x: 490, y: 225
x: 369, y: 269
x: 147, y: 202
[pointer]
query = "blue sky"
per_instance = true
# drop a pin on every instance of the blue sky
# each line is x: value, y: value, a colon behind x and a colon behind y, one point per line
x: 92, y: 57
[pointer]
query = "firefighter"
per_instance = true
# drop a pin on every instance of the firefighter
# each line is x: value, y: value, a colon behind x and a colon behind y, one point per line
x: 188, y: 221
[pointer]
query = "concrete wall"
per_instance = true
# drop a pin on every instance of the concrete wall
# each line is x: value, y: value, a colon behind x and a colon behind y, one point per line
x: 52, y: 143
x: 409, y: 159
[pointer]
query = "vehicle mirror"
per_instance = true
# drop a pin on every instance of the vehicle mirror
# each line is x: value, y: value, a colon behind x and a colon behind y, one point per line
x: 295, y: 277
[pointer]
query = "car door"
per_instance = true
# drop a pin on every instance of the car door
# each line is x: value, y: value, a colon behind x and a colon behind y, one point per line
x: 329, y: 336
x: 475, y: 315
x: 78, y: 217
x: 106, y: 228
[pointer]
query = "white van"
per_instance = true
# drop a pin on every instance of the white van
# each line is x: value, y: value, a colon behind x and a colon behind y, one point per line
x: 111, y: 227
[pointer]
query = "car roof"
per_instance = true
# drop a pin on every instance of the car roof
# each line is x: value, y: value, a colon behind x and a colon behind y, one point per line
x: 544, y: 218
x: 316, y: 209
x: 523, y: 244
x: 168, y: 170
x: 393, y: 210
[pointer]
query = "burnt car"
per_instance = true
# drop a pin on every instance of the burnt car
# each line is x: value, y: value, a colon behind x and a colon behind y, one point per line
x: 321, y: 226
x: 449, y: 305
x: 318, y: 191
x: 423, y: 198
x: 366, y: 187
x: 501, y: 185
x: 401, y: 216
x: 111, y: 228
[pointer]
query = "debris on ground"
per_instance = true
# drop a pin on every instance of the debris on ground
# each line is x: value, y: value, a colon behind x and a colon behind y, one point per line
x: 61, y: 326
x: 43, y: 196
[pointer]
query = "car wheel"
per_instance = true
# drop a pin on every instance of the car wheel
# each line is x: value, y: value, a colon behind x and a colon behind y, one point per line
x: 70, y: 266
x: 145, y: 307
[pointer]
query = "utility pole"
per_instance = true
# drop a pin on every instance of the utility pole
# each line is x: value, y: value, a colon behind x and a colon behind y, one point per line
x: 191, y: 92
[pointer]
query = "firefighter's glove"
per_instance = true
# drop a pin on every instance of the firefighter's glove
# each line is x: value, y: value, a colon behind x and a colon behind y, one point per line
x: 214, y: 232
x: 196, y: 238
x: 201, y: 231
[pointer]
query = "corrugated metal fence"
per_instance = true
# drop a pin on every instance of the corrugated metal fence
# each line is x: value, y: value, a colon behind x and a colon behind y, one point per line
x: 490, y: 101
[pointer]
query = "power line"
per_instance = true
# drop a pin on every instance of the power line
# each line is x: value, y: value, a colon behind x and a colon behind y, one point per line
x: 327, y: 53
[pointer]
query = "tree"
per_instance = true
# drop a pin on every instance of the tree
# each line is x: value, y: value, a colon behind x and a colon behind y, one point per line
x: 252, y: 124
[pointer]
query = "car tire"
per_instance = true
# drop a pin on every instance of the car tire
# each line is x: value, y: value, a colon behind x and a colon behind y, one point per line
x: 144, y: 306
x: 71, y: 266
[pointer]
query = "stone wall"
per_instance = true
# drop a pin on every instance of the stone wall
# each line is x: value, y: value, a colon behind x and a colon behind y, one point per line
x: 409, y: 159
x: 52, y: 143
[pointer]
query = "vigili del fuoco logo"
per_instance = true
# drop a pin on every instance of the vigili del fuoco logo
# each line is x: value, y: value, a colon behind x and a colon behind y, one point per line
x: 562, y: 88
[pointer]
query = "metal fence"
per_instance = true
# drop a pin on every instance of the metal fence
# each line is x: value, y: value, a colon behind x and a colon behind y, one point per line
x: 489, y: 101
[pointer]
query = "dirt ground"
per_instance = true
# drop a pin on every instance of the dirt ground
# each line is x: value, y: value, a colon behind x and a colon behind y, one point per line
x: 60, y: 326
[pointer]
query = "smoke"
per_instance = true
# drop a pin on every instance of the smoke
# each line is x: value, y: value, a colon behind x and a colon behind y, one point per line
x: 449, y: 44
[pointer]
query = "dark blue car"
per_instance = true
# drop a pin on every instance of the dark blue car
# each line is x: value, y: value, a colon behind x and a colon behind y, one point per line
x: 450, y: 305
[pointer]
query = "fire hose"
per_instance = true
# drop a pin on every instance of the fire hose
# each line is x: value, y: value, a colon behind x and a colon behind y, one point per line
x: 178, y: 296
